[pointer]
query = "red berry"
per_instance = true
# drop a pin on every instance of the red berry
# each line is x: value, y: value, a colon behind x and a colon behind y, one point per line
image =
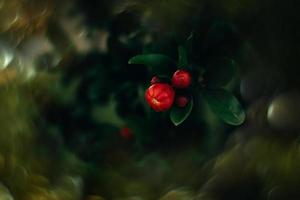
x: 181, y: 101
x: 181, y: 79
x: 160, y: 96
x: 154, y: 80
x: 126, y: 133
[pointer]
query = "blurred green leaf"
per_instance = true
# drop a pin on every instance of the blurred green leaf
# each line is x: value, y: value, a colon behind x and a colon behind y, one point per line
x: 182, y: 58
x: 225, y: 106
x: 220, y: 72
x: 179, y: 115
x: 157, y: 63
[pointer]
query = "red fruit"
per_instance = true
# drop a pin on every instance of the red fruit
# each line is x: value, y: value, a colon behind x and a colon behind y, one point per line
x: 181, y: 101
x: 154, y: 80
x: 160, y: 96
x: 126, y: 133
x: 181, y: 79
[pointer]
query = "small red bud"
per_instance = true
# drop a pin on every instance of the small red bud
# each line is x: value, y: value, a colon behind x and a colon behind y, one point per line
x: 154, y: 80
x: 181, y: 101
x: 181, y: 79
x: 126, y: 133
x: 160, y: 96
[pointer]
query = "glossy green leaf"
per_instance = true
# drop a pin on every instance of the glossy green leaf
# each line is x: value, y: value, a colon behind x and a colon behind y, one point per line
x: 157, y: 63
x: 220, y: 72
x: 182, y: 58
x: 225, y: 106
x: 179, y: 115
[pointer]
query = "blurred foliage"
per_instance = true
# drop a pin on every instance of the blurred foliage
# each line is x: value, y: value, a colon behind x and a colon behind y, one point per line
x: 61, y: 124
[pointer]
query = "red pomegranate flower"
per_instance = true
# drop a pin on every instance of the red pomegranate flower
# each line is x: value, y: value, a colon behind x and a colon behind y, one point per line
x: 181, y: 79
x: 160, y: 96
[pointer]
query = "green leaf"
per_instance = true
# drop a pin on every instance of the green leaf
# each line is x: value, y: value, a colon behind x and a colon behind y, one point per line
x: 157, y: 63
x: 182, y: 58
x: 220, y: 72
x: 179, y: 115
x: 225, y: 106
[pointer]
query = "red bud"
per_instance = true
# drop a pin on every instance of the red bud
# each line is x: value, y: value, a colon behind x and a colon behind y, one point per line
x: 181, y: 101
x: 181, y: 79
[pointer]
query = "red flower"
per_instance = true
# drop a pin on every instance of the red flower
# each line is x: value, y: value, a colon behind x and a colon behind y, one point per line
x: 181, y: 79
x: 181, y: 101
x: 160, y: 96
